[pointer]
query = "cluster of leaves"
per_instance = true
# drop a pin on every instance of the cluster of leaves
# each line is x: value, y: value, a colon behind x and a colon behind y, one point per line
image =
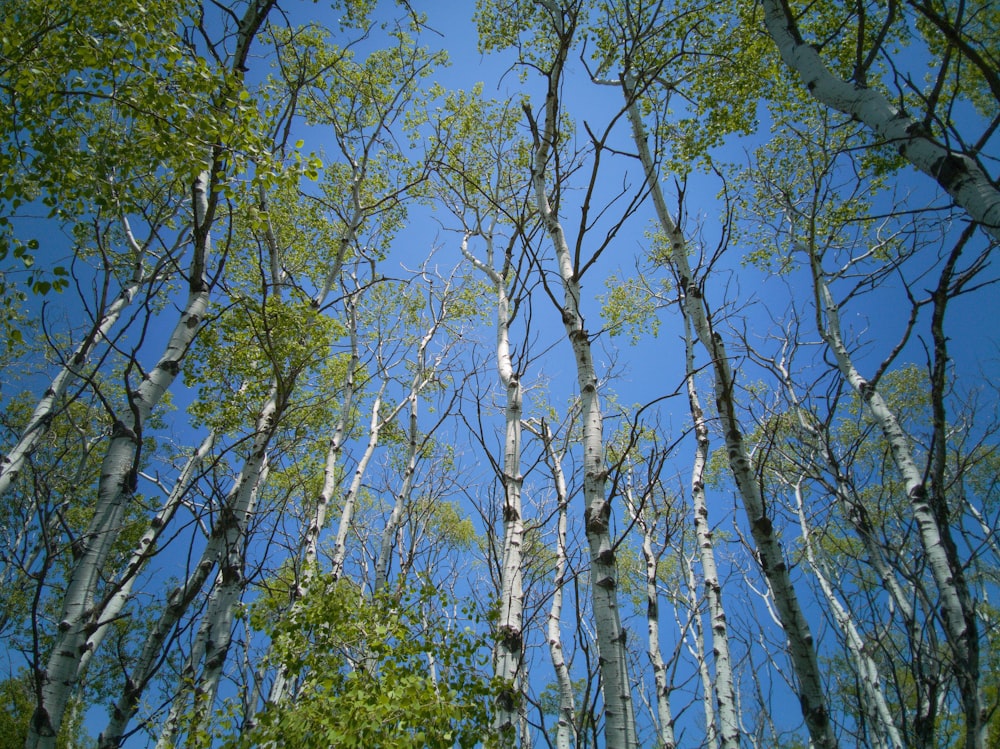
x: 390, y: 670
x: 17, y: 702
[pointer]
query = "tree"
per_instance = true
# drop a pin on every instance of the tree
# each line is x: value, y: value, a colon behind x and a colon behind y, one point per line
x: 364, y: 675
x: 351, y: 398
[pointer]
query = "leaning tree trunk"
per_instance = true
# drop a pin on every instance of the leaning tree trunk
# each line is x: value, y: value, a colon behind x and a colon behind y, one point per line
x: 866, y: 669
x: 110, y: 611
x: 812, y: 696
x: 41, y: 418
x: 618, y: 710
x: 957, y: 610
x: 225, y: 550
x: 565, y: 723
x: 960, y: 176
x: 119, y: 474
x: 725, y: 692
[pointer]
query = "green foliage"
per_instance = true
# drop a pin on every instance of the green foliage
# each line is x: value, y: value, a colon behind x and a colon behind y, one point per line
x: 522, y: 24
x: 629, y: 308
x: 17, y: 703
x: 483, y: 158
x: 250, y: 346
x: 387, y: 671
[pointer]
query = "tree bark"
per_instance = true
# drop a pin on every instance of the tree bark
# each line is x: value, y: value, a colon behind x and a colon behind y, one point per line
x: 957, y: 614
x: 565, y: 723
x: 119, y: 473
x: 812, y: 696
x: 725, y: 692
x: 960, y: 176
x: 618, y: 711
x: 510, y: 637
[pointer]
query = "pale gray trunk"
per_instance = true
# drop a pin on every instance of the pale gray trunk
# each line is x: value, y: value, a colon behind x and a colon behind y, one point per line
x: 119, y: 473
x: 960, y: 176
x: 112, y: 608
x: 664, y: 717
x: 812, y: 696
x: 697, y: 651
x: 41, y: 418
x: 957, y: 615
x: 619, y: 717
x: 618, y: 711
x: 510, y: 638
x: 211, y: 643
x: 867, y: 670
x: 723, y: 683
x: 565, y: 723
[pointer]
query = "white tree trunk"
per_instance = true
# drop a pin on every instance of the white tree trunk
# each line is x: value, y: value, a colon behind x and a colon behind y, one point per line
x: 725, y: 692
x: 38, y: 424
x: 510, y: 636
x: 113, y: 606
x: 402, y: 496
x: 812, y: 695
x: 957, y: 615
x: 664, y: 716
x: 957, y: 174
x: 118, y: 477
x: 879, y: 714
x: 333, y: 453
x: 565, y: 724
x: 619, y: 717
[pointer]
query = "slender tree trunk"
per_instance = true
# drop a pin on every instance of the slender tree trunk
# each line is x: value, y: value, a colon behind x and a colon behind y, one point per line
x: 119, y: 473
x: 812, y: 696
x: 619, y: 718
x: 664, y: 716
x: 310, y: 560
x: 339, y: 556
x: 565, y: 724
x: 879, y: 714
x: 957, y: 614
x: 510, y: 636
x: 41, y: 418
x: 725, y: 692
x: 403, y: 495
x: 697, y: 650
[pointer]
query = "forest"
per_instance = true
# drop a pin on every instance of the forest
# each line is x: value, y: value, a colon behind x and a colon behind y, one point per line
x: 518, y: 373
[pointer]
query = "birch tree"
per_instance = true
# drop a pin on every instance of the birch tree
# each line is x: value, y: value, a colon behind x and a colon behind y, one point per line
x: 364, y: 523
x: 808, y: 214
x: 561, y: 22
x: 482, y: 179
x: 856, y: 81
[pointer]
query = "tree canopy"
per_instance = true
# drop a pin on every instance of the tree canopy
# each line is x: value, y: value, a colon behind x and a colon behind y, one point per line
x: 525, y: 373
